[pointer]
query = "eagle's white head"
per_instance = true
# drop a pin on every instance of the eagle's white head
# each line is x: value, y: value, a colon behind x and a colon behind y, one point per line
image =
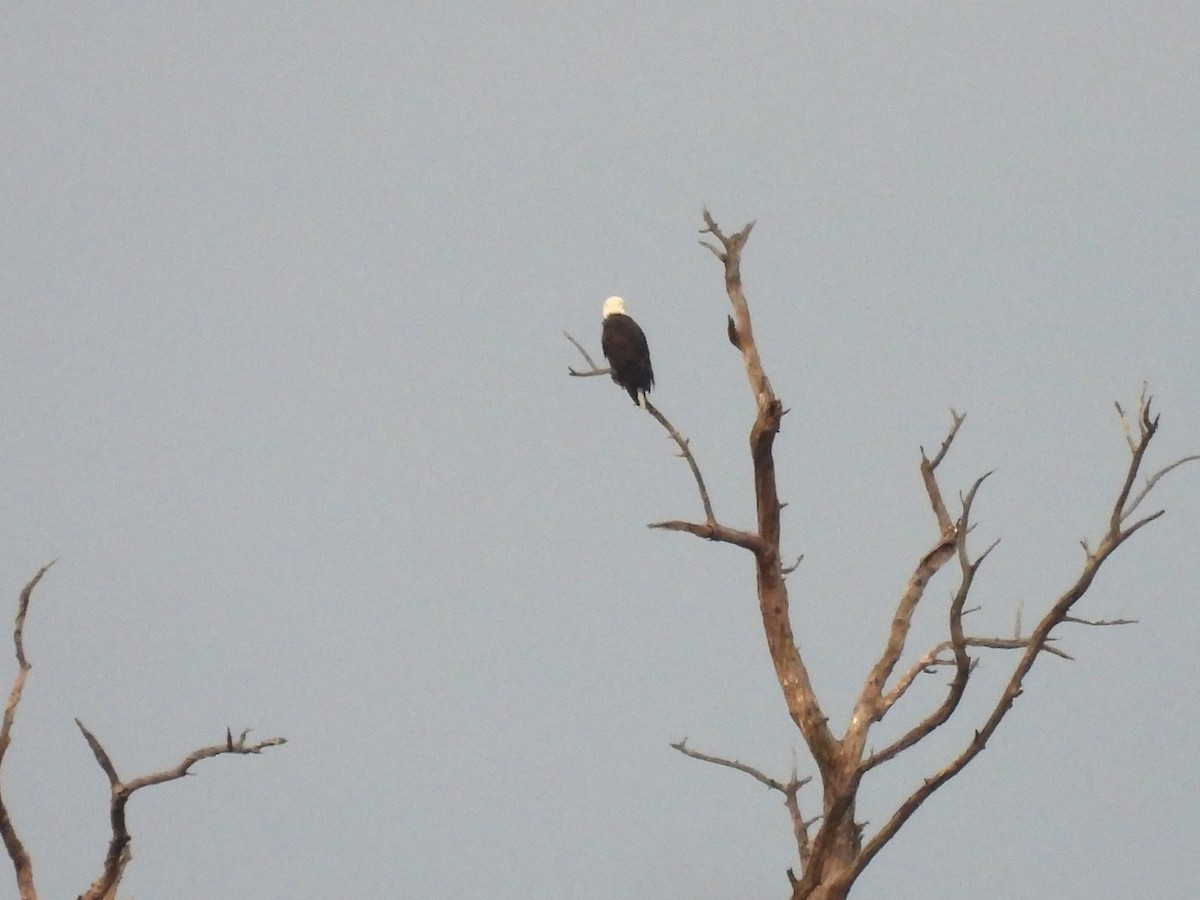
x: 614, y: 306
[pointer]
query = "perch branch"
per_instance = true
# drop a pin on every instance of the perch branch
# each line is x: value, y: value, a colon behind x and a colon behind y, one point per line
x: 593, y: 369
x: 711, y: 529
x: 685, y: 451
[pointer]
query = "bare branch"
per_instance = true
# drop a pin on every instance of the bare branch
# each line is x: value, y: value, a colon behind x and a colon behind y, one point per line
x: 1147, y: 427
x: 118, y: 855
x: 590, y: 373
x: 933, y: 659
x: 22, y: 863
x: 685, y: 451
x: 838, y: 834
x: 711, y: 529
x: 756, y: 774
x: 713, y: 532
x: 1125, y: 426
x: 1075, y: 620
x: 870, y: 705
x: 945, y: 448
x: 925, y: 665
x: 1152, y: 481
x: 683, y: 443
x: 22, y: 609
x: 1039, y: 638
x: 240, y: 748
x: 593, y: 369
x: 731, y: 246
x: 961, y: 662
x: 101, y: 755
x: 790, y: 790
x: 790, y: 670
x: 1136, y: 526
x: 1018, y: 643
x: 730, y: 255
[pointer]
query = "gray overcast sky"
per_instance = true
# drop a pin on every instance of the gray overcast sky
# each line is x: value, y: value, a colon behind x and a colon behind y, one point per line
x: 284, y: 388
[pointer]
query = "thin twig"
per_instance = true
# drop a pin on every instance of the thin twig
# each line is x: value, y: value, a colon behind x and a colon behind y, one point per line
x: 945, y: 447
x: 757, y: 774
x: 101, y: 755
x: 1152, y: 481
x: 593, y: 368
x: 1101, y: 623
x: 1147, y: 426
x: 933, y: 658
x: 790, y: 790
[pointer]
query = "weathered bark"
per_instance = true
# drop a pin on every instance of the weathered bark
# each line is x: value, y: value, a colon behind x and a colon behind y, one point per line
x: 118, y: 856
x: 833, y: 857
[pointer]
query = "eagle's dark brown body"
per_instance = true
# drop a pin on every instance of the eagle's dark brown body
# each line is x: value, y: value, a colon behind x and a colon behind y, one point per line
x: 628, y: 354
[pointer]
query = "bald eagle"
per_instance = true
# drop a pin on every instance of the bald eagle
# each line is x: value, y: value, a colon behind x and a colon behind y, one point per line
x: 625, y: 348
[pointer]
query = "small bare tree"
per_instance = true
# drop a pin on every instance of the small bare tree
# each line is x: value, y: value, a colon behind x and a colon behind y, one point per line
x: 119, y: 853
x: 833, y: 848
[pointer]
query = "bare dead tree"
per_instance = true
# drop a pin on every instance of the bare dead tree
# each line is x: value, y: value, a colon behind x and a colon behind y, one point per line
x: 119, y: 853
x: 832, y: 848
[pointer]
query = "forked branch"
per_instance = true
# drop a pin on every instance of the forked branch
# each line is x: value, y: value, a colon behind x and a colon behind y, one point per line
x: 1117, y: 532
x: 118, y: 855
x: 834, y: 853
x: 790, y: 790
x: 774, y: 607
x: 933, y: 658
x: 710, y: 529
x: 963, y: 665
x: 871, y: 706
x: 592, y: 369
